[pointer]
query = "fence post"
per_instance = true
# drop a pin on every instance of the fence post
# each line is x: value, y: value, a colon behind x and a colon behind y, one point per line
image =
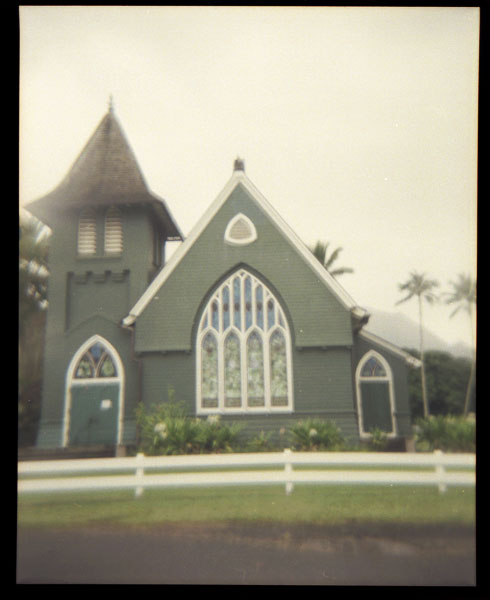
x: 440, y: 472
x: 288, y: 469
x: 138, y: 492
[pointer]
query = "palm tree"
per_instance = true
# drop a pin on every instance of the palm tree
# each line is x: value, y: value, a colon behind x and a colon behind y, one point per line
x: 33, y: 271
x: 463, y: 294
x: 320, y: 252
x: 421, y: 287
x: 33, y: 278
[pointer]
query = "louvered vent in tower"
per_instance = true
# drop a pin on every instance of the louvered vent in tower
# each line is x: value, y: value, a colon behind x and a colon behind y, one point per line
x: 87, y: 233
x: 113, y: 241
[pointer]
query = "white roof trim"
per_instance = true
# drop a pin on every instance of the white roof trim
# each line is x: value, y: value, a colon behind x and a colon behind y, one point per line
x: 411, y: 360
x: 303, y: 250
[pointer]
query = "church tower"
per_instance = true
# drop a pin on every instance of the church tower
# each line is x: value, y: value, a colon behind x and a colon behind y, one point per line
x: 108, y: 240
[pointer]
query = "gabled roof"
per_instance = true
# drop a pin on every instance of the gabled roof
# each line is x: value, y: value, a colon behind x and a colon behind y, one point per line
x: 106, y: 172
x: 409, y: 359
x: 239, y: 178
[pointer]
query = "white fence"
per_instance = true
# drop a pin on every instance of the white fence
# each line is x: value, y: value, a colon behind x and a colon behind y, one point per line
x: 243, y: 469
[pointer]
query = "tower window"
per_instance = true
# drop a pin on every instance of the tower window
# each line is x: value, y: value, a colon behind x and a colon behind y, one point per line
x: 87, y: 233
x: 113, y: 239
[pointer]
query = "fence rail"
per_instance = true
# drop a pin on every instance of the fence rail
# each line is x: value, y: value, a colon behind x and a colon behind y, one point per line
x: 100, y: 472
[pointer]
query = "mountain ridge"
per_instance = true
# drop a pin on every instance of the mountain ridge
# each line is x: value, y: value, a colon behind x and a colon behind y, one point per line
x: 403, y: 332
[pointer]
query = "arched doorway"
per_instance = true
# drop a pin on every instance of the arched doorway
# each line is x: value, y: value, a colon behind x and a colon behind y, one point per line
x: 94, y: 396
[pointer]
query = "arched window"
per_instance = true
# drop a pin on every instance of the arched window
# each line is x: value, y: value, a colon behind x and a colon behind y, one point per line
x: 243, y: 350
x: 95, y: 363
x: 113, y: 238
x: 87, y: 233
x: 375, y: 396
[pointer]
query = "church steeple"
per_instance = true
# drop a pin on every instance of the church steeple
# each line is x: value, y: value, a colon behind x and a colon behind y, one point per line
x: 105, y: 173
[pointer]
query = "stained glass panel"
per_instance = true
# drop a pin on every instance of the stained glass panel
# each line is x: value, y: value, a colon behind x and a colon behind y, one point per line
x: 215, y: 315
x: 237, y: 319
x: 255, y: 370
x: 270, y: 313
x: 226, y: 308
x: 96, y: 351
x: 259, y: 307
x: 85, y: 368
x: 106, y: 367
x: 248, y: 302
x: 373, y: 368
x: 278, y: 361
x: 233, y: 385
x: 209, y: 372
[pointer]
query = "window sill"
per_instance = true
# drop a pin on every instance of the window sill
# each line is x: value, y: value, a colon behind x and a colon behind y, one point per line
x: 244, y: 411
x: 98, y: 256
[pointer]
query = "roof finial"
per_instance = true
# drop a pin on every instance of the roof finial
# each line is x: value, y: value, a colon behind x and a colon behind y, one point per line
x: 111, y: 104
x: 239, y: 164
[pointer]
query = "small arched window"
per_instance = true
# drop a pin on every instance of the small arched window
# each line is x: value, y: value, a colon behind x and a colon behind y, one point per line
x: 113, y: 238
x: 375, y: 395
x: 243, y: 350
x: 87, y: 244
x: 95, y: 363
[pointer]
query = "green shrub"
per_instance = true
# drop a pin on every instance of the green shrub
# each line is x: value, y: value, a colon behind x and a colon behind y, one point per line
x: 446, y: 433
x: 314, y: 434
x: 261, y: 443
x: 167, y: 429
x: 215, y: 436
x: 378, y: 440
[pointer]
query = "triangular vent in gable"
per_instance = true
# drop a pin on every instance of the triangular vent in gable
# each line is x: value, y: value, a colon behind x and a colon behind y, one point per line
x: 240, y: 231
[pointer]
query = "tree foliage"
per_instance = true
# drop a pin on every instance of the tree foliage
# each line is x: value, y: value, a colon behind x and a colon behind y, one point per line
x: 320, y: 252
x: 33, y: 280
x: 463, y: 295
x: 447, y: 377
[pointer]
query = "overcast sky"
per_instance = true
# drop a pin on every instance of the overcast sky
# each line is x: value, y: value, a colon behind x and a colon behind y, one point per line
x: 359, y: 125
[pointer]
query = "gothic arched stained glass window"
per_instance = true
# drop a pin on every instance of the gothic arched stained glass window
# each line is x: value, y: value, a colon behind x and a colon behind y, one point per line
x: 95, y: 363
x: 243, y: 349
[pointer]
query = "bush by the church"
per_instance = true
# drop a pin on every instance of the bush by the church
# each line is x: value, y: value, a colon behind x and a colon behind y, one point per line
x: 166, y: 429
x: 446, y: 433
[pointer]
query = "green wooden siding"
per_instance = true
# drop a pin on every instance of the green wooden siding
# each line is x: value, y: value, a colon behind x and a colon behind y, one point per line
x: 317, y: 316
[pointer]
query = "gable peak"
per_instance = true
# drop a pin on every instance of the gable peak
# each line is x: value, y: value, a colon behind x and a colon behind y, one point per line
x: 239, y: 164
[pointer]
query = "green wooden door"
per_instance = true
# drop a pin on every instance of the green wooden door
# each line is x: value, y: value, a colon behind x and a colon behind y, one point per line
x: 94, y: 414
x: 376, y: 406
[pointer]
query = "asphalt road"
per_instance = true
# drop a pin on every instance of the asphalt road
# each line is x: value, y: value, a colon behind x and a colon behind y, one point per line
x: 246, y: 556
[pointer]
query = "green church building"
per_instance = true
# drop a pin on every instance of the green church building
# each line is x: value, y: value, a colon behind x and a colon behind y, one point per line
x: 242, y: 321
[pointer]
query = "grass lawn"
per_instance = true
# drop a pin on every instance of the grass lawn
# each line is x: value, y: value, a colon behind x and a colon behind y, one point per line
x: 309, y: 504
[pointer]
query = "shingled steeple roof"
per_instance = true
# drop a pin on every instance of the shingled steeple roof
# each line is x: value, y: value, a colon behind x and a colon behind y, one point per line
x: 105, y: 173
